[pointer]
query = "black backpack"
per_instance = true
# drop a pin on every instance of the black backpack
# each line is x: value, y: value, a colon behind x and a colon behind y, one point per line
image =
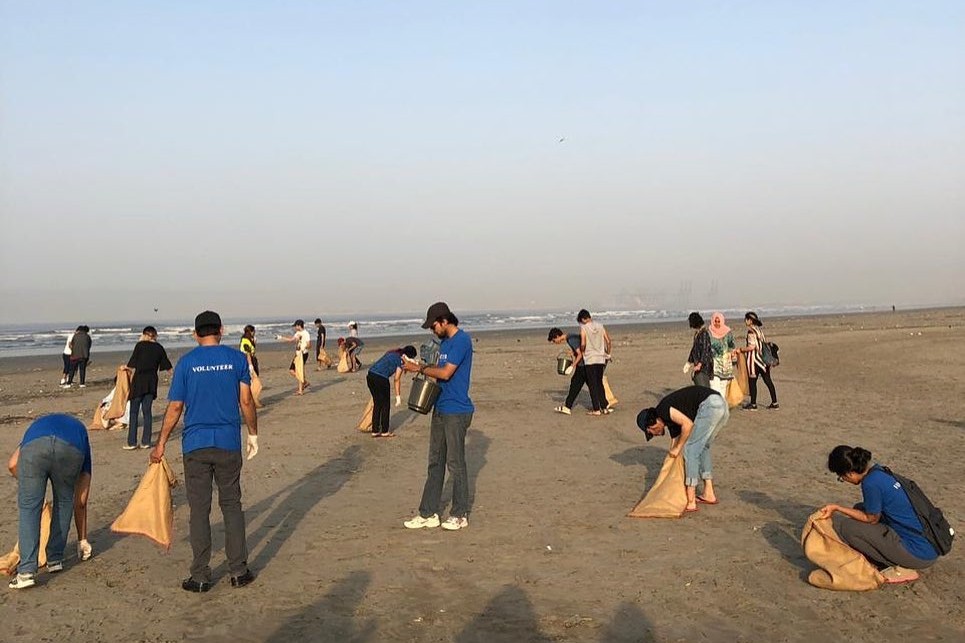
x: 934, y: 526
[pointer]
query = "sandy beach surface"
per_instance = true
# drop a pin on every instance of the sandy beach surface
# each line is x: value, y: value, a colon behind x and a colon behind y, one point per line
x: 549, y: 554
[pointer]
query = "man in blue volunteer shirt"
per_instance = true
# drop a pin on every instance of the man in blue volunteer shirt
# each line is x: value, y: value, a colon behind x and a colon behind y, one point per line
x: 207, y: 386
x: 55, y: 448
x: 450, y: 422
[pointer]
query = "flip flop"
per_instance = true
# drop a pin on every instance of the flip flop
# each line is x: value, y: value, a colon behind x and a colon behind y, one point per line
x: 707, y: 502
x: 688, y: 510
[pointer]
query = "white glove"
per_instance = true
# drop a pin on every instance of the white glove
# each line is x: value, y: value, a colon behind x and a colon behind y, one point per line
x: 569, y: 370
x: 398, y: 400
x: 252, y: 446
x: 84, y: 550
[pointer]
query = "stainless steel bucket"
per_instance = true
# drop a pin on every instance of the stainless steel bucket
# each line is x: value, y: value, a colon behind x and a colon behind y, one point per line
x: 563, y: 363
x: 423, y: 395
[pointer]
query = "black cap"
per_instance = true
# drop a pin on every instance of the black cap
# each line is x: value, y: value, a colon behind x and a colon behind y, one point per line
x: 645, y: 419
x: 299, y: 322
x: 207, y: 318
x: 436, y: 310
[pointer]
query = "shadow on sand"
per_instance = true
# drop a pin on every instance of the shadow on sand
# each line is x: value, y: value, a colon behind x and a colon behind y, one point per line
x: 332, y: 617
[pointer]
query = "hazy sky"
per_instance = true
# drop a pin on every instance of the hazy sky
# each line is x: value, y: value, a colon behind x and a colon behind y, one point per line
x: 267, y: 158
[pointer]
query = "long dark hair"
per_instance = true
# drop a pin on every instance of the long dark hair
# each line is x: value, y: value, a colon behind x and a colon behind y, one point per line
x: 844, y: 459
x: 250, y: 333
x: 695, y: 320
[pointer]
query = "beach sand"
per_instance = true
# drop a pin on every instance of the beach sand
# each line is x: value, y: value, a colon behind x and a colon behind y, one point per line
x: 549, y: 554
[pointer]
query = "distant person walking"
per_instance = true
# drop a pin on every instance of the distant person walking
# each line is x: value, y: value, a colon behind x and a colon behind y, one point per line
x: 303, y: 343
x: 321, y: 356
x: 755, y: 361
x: 79, y: 356
x: 210, y: 383
x: 595, y: 346
x: 54, y: 448
x: 249, y: 346
x: 148, y: 358
x: 723, y: 347
x: 450, y: 422
x: 578, y: 378
x: 65, y: 354
x: 388, y: 366
x: 701, y: 358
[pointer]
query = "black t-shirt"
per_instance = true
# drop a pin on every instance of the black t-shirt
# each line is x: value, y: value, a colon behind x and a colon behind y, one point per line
x: 146, y: 360
x: 321, y: 335
x: 686, y: 400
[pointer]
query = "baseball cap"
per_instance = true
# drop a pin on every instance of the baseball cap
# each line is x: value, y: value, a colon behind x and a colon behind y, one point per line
x: 298, y: 322
x: 207, y: 318
x: 436, y: 310
x: 645, y: 419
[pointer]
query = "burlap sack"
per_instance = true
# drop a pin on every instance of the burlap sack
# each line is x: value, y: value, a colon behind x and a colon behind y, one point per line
x: 122, y: 389
x: 734, y: 394
x: 343, y: 365
x: 741, y: 376
x: 9, y: 562
x: 323, y: 359
x: 299, y: 363
x: 150, y: 512
x: 97, y: 422
x: 667, y: 497
x: 365, y: 421
x: 611, y: 399
x: 256, y: 387
x: 841, y: 567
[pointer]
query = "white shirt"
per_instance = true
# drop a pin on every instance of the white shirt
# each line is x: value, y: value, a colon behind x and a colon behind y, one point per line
x: 67, y: 350
x: 303, y: 340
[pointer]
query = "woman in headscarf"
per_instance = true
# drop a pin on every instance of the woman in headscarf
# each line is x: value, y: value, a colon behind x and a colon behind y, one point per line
x: 722, y: 345
x: 755, y: 361
x: 701, y: 358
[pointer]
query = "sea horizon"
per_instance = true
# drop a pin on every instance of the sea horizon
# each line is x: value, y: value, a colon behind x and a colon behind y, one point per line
x: 17, y: 340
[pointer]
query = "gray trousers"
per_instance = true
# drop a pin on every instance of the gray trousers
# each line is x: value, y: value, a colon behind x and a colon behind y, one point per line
x: 224, y: 468
x: 878, y: 543
x: 447, y: 450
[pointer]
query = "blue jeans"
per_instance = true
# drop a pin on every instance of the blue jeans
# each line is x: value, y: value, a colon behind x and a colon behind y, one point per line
x: 712, y: 415
x: 447, y: 450
x: 43, y: 459
x: 144, y: 404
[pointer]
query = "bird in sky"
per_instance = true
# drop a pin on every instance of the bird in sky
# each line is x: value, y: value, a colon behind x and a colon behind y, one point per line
x: 562, y: 138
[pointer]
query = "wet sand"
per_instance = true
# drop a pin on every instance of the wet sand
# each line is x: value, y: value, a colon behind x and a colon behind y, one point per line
x: 549, y: 554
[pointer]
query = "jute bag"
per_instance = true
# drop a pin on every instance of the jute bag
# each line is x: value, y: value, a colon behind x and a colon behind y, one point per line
x: 841, y: 567
x: 611, y: 399
x: 343, y: 366
x: 741, y: 376
x: 734, y: 394
x: 365, y: 421
x: 256, y: 388
x: 119, y: 404
x: 667, y: 497
x: 8, y: 563
x: 150, y: 511
x: 299, y: 363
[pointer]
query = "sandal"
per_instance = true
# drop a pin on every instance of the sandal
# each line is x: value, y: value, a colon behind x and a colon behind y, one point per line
x: 707, y: 502
x: 597, y: 413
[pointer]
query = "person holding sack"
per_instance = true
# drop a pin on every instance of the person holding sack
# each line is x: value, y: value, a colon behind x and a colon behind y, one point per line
x: 884, y: 527
x: 754, y: 356
x: 693, y: 416
x: 377, y: 379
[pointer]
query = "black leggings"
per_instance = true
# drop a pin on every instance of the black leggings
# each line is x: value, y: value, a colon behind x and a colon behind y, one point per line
x: 78, y: 365
x: 766, y: 375
x: 379, y: 388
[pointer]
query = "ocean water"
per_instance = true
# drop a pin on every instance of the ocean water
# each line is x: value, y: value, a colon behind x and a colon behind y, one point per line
x: 39, y: 339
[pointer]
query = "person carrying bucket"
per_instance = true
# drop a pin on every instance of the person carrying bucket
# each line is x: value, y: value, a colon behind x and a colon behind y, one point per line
x: 577, y: 369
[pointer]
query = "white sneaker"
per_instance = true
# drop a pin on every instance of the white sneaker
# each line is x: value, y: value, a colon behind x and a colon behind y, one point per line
x: 84, y: 550
x: 128, y: 447
x: 452, y: 523
x: 83, y: 386
x: 419, y: 522
x: 563, y: 410
x: 57, y: 566
x: 63, y: 381
x: 65, y: 386
x: 22, y: 581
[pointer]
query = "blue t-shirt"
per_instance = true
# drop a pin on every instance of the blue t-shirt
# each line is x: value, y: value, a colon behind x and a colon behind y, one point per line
x: 883, y: 495
x: 68, y: 429
x: 208, y: 380
x: 573, y: 341
x: 454, y: 397
x: 387, y: 364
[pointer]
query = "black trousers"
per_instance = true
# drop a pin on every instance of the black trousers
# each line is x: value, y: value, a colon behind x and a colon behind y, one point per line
x: 379, y: 388
x: 594, y: 379
x: 576, y: 384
